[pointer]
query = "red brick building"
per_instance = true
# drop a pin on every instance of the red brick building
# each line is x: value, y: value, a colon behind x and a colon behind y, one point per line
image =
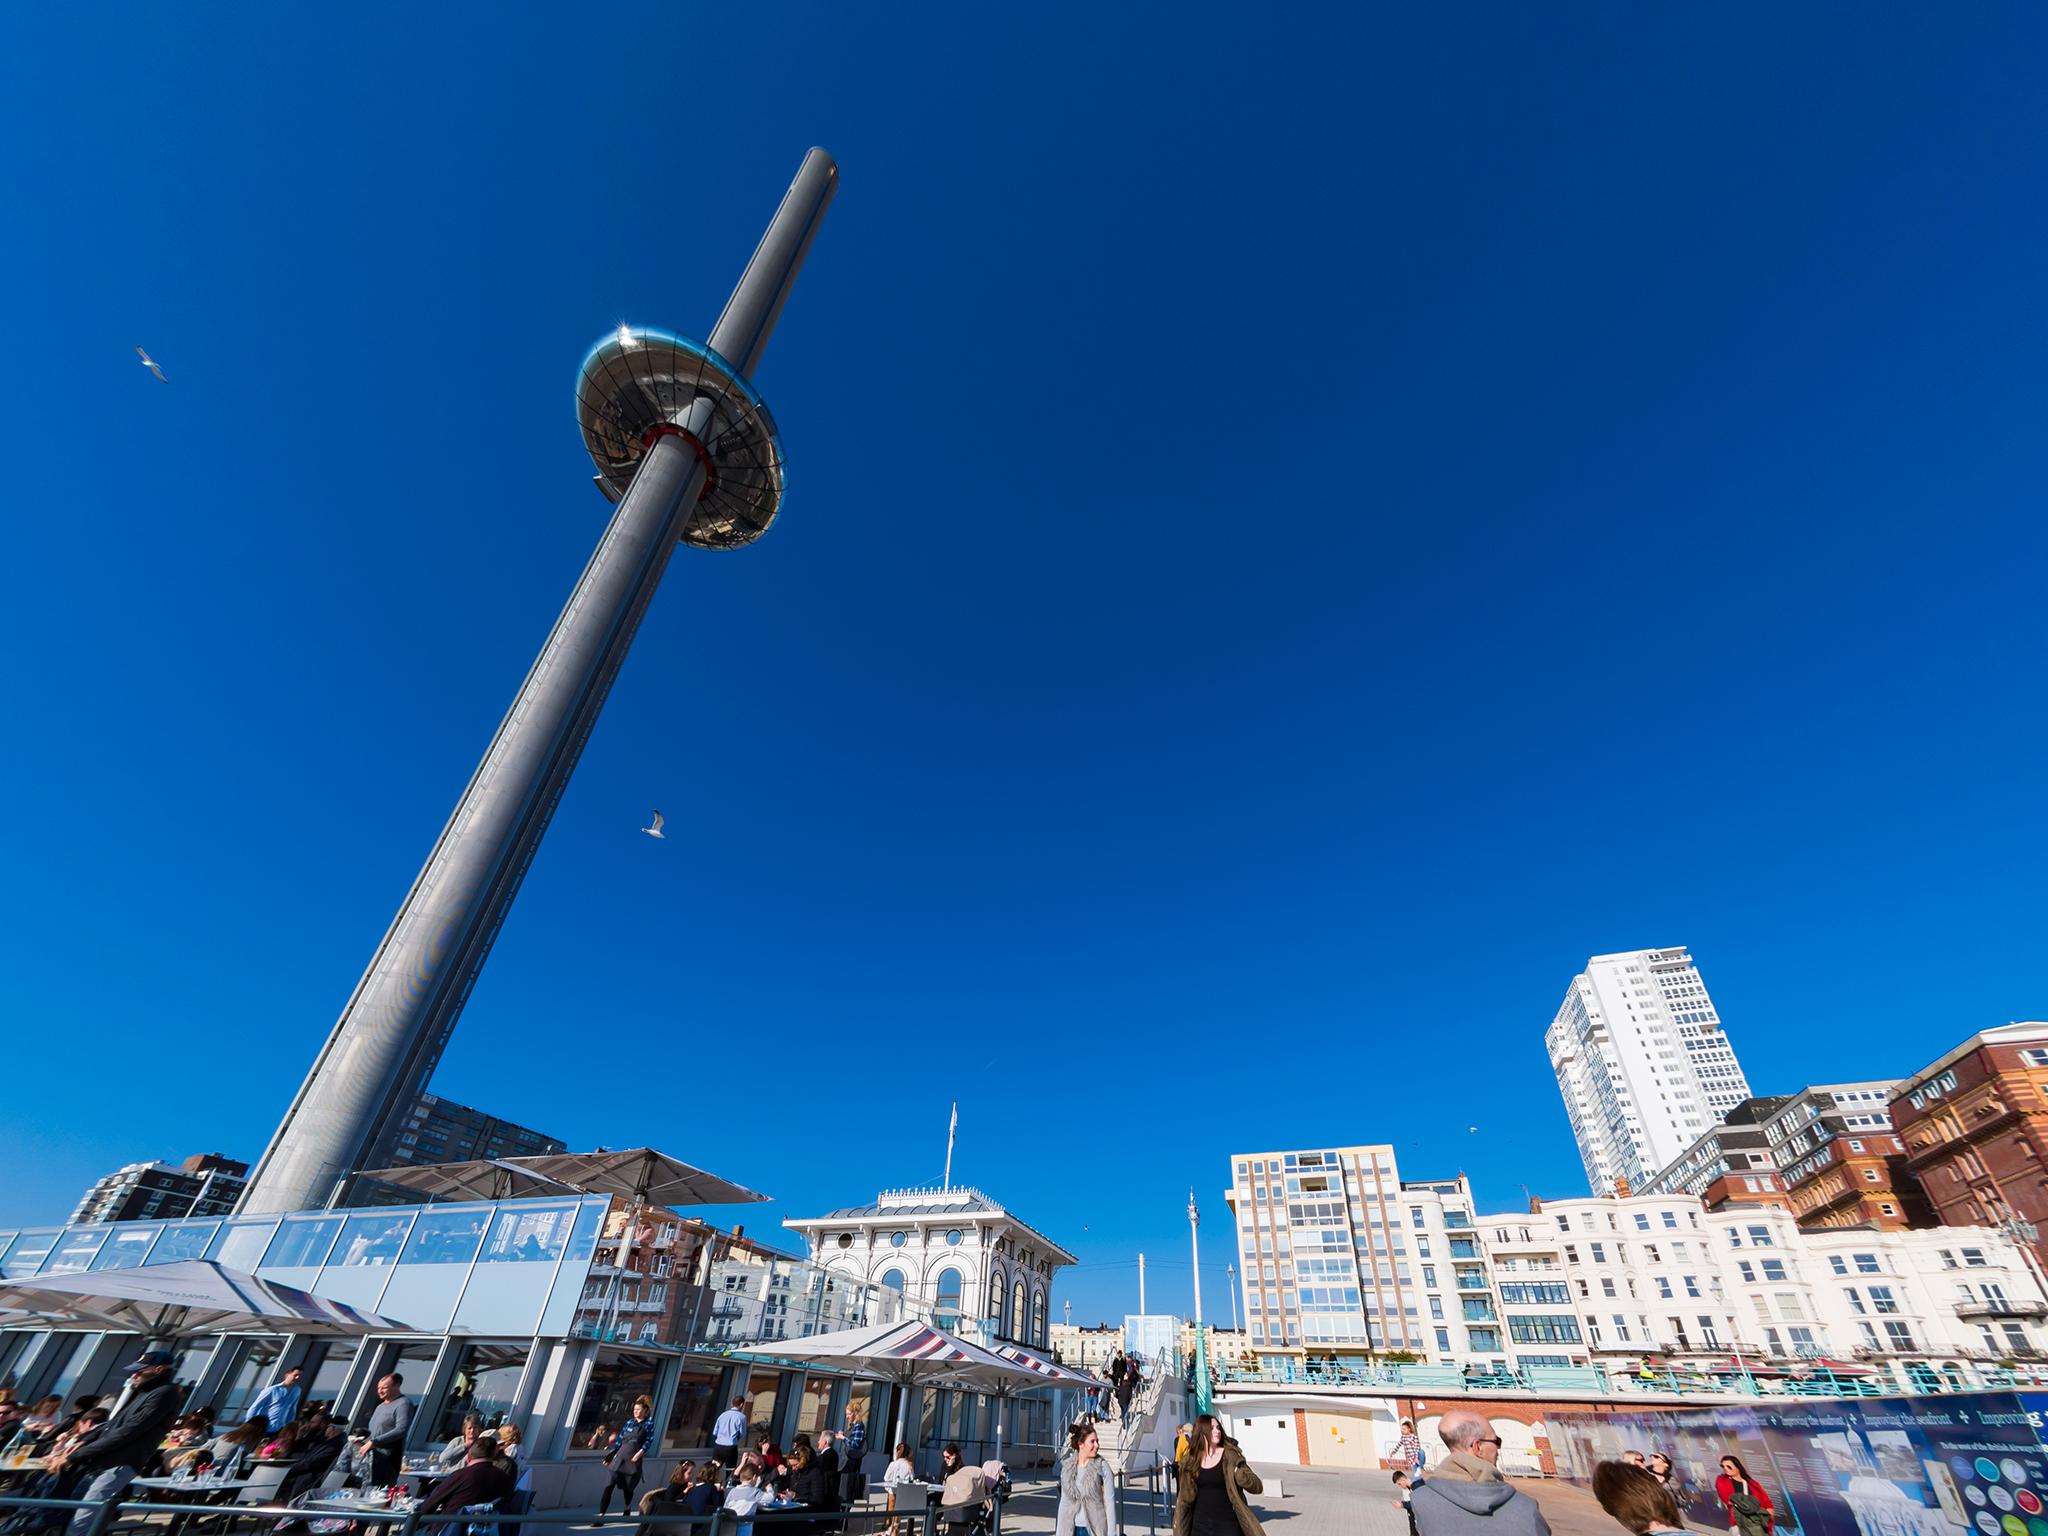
x: 1975, y: 1125
x: 1843, y: 1162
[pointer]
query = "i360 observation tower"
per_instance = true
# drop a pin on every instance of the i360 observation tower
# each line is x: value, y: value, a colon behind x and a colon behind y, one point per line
x: 689, y: 453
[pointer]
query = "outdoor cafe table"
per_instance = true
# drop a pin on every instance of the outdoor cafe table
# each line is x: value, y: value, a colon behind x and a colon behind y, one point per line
x: 194, y: 1490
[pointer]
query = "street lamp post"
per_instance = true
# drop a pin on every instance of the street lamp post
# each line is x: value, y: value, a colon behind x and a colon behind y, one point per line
x: 1202, y: 1393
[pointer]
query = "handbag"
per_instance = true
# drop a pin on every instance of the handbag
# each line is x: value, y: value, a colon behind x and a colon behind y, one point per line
x: 1754, y: 1519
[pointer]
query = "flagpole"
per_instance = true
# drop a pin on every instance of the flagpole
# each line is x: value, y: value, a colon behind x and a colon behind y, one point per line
x: 951, y: 1126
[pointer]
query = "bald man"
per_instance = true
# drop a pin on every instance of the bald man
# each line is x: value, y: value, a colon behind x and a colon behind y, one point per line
x: 1464, y: 1494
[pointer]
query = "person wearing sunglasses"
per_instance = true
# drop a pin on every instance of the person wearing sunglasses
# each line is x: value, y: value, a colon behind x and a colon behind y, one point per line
x: 1464, y: 1494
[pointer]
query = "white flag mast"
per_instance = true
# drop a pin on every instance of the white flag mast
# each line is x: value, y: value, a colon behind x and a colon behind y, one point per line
x: 952, y: 1127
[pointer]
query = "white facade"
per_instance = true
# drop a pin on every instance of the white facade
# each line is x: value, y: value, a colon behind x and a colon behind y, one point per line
x: 1339, y: 1257
x: 1658, y: 1276
x: 1642, y: 1063
x: 962, y: 1261
x: 1085, y: 1349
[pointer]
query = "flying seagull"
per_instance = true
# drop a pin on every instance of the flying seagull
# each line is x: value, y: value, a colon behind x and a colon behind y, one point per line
x: 150, y: 363
x: 655, y: 830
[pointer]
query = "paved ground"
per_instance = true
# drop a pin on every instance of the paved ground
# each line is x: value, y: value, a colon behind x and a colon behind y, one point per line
x: 1315, y: 1501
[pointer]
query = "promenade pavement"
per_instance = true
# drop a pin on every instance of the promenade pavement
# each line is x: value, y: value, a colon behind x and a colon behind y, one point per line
x: 1316, y: 1501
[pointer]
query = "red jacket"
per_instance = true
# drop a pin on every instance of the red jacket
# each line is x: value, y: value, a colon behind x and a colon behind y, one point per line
x: 1724, y: 1489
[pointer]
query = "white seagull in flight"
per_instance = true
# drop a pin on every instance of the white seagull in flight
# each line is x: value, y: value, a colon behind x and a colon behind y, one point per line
x: 150, y: 363
x: 655, y: 830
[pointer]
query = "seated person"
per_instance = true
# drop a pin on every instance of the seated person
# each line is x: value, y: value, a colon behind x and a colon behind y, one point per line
x: 456, y: 1451
x: 322, y: 1447
x: 748, y: 1492
x: 669, y: 1499
x: 481, y: 1480
x: 704, y: 1496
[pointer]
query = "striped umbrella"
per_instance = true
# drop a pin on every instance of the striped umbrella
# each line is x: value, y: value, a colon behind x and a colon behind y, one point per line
x: 164, y: 1301
x: 907, y: 1354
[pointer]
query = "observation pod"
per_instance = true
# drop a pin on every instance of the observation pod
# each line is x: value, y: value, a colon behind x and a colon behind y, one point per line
x: 688, y: 454
x: 640, y: 384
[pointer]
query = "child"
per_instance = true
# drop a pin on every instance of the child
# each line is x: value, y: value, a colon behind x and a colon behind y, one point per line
x: 1404, y: 1482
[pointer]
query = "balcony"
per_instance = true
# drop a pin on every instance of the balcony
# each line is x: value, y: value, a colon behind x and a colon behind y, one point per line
x: 2001, y: 1309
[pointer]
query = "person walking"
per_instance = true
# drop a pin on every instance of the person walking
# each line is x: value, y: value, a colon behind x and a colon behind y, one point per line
x: 1465, y: 1495
x: 1126, y: 1384
x: 110, y: 1456
x: 1743, y: 1497
x: 1087, y: 1496
x: 390, y: 1423
x: 278, y: 1404
x: 1214, y: 1478
x: 1660, y: 1467
x: 727, y: 1433
x: 627, y: 1456
x: 1634, y: 1497
x: 1408, y: 1449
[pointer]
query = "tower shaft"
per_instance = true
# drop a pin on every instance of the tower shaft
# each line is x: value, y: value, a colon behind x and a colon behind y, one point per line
x: 383, y: 1048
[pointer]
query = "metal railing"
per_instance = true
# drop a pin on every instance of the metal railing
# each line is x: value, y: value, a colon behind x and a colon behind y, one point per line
x: 1760, y: 1380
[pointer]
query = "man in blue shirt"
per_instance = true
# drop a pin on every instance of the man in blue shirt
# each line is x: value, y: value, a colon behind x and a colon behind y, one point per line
x: 277, y: 1404
x: 728, y: 1431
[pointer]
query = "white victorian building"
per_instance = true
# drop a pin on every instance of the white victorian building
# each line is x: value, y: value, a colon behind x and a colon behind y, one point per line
x: 960, y: 1260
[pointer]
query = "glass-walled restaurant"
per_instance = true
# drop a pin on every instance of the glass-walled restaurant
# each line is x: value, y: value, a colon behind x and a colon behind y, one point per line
x: 555, y: 1313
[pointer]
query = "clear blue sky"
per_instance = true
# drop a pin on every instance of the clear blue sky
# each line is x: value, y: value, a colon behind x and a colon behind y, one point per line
x: 1303, y: 527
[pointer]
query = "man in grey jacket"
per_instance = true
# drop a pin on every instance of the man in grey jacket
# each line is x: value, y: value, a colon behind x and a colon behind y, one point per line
x: 390, y: 1423
x: 1465, y: 1495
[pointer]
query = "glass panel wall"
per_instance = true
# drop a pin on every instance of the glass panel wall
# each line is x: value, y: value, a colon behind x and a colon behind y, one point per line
x: 608, y: 1396
x: 375, y: 1238
x: 75, y: 1249
x: 183, y: 1240
x: 529, y: 1232
x: 74, y: 1364
x: 302, y: 1243
x: 486, y: 1379
x: 327, y: 1370
x: 240, y: 1244
x: 126, y: 1247
x: 26, y: 1253
x: 689, y: 1421
x: 250, y: 1373
x: 761, y: 1389
x: 815, y: 1411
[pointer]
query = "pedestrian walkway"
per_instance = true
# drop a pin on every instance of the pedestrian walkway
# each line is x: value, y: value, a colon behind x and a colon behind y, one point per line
x: 1316, y: 1501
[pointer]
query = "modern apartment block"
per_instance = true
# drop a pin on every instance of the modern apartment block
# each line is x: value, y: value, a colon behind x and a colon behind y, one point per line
x: 1340, y: 1259
x: 438, y: 1130
x: 1841, y: 1161
x: 204, y: 1185
x: 1642, y: 1063
x: 1975, y: 1127
x: 1616, y: 1282
x: 1731, y: 1164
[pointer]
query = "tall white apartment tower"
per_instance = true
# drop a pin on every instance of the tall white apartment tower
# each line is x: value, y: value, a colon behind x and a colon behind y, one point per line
x: 1642, y: 1063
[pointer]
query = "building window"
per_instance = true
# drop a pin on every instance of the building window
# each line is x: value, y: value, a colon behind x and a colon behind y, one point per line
x: 893, y: 1279
x: 946, y: 1300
